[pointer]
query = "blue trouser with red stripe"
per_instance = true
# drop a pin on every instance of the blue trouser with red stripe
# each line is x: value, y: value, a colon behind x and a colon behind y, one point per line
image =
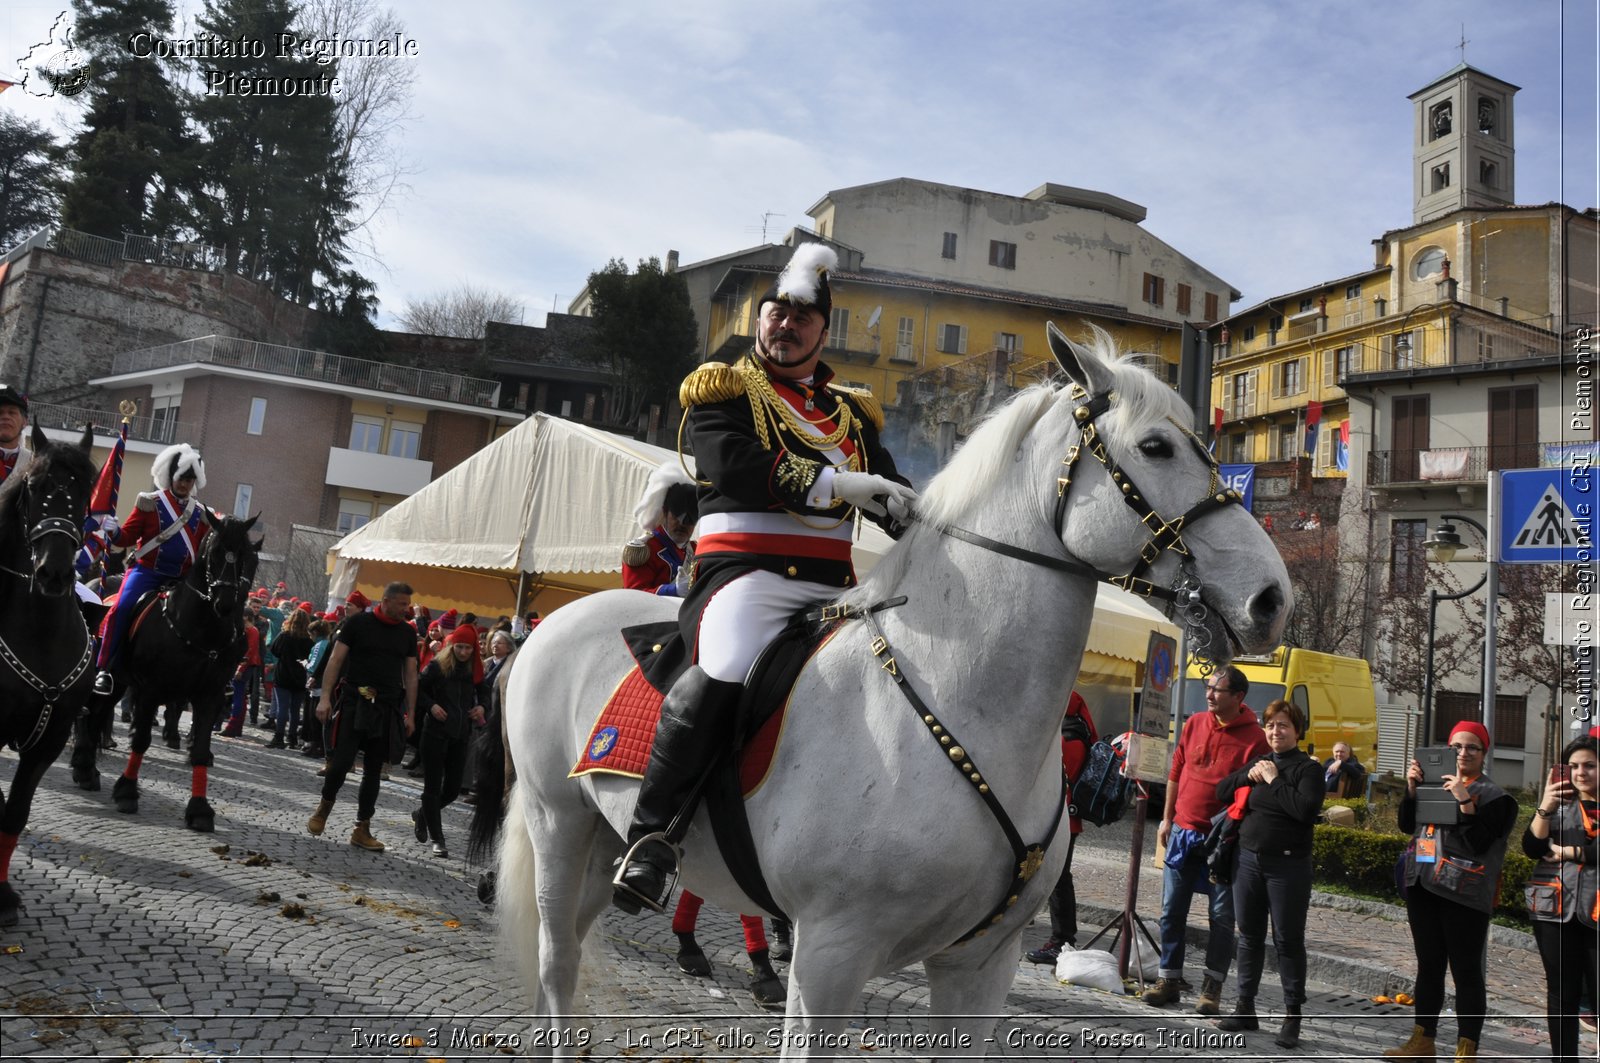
x: 114, y: 631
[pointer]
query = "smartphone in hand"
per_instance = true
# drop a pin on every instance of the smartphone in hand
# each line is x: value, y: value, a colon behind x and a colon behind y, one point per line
x: 1561, y: 773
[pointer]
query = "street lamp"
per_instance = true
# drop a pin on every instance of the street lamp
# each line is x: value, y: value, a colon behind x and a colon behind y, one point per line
x: 1402, y: 339
x: 1443, y: 544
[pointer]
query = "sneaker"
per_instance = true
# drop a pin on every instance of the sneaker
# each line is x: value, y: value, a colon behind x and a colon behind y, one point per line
x: 1164, y: 992
x: 1210, y: 1002
x: 1049, y: 952
x: 440, y: 850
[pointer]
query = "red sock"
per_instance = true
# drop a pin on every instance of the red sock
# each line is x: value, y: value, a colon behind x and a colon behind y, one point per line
x: 8, y: 845
x: 755, y: 935
x: 197, y: 785
x: 686, y: 914
x: 135, y: 760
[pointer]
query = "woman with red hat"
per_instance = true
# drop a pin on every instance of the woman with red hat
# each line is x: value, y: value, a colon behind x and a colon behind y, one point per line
x: 1451, y: 873
x: 451, y: 696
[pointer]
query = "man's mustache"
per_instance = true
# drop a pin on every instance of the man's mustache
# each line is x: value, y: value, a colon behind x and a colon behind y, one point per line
x: 783, y: 335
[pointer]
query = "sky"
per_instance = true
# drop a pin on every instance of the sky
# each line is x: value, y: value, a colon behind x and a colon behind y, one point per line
x: 1269, y: 141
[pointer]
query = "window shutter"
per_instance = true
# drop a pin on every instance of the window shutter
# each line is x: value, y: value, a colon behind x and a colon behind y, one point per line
x: 961, y: 347
x: 939, y: 341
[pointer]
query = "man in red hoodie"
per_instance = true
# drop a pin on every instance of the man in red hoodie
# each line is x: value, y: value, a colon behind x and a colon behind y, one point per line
x: 1213, y: 745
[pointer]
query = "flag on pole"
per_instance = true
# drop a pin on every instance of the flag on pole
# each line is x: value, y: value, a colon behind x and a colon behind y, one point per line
x: 1313, y: 419
x: 1341, y: 449
x: 103, y: 501
x: 4, y: 84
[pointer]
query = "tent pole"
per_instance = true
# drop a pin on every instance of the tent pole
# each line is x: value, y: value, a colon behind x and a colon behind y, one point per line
x: 522, y: 593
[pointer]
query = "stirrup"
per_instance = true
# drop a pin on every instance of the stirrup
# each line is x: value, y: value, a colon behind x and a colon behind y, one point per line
x: 104, y: 683
x: 655, y: 904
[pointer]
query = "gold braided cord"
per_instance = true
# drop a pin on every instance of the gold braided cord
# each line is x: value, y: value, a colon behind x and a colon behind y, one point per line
x: 772, y: 413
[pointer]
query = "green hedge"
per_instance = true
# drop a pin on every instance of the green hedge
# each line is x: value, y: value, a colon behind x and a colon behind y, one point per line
x: 1364, y: 860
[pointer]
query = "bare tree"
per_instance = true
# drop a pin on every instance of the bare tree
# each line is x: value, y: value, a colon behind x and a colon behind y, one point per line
x: 1520, y: 650
x: 464, y: 312
x: 1403, y: 627
x: 1330, y: 580
x: 374, y: 105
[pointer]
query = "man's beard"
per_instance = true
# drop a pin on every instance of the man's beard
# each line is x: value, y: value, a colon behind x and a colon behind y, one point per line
x: 761, y: 349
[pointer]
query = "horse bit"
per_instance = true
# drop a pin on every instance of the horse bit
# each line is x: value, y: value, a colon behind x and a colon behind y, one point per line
x: 1186, y: 593
x: 47, y: 525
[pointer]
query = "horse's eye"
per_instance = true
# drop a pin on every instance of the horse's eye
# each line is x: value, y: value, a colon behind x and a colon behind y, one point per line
x: 1156, y: 448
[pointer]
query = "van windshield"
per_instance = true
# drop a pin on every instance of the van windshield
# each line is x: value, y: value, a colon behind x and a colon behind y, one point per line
x: 1261, y: 695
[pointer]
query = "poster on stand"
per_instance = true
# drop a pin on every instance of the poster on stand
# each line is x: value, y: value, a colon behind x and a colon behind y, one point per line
x: 1151, y: 756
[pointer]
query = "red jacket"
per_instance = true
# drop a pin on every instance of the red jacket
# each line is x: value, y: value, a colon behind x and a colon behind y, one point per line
x: 659, y: 566
x: 1207, y: 754
x: 1074, y: 753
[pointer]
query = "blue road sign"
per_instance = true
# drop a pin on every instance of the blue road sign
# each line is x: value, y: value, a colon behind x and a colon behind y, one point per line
x: 1547, y: 516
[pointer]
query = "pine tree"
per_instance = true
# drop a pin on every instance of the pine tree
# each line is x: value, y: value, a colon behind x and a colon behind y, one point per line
x: 130, y: 158
x: 644, y: 329
x: 29, y: 161
x: 274, y: 191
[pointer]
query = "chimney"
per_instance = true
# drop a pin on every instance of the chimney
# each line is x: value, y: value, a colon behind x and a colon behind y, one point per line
x: 672, y: 261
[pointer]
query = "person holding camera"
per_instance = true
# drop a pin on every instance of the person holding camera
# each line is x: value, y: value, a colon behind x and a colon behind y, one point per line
x: 1451, y: 871
x: 1561, y: 892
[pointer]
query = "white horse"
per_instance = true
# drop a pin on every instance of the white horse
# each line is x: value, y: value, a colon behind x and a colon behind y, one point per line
x: 872, y: 825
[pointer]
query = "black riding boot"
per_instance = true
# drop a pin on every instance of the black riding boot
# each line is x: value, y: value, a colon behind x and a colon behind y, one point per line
x: 695, y: 718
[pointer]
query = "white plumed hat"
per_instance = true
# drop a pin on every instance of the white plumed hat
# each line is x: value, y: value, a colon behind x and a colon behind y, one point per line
x: 173, y: 462
x: 804, y: 281
x: 647, y: 513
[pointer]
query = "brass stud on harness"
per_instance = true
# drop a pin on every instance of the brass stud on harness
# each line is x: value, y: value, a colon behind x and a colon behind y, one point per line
x: 967, y: 766
x: 937, y: 729
x: 983, y: 788
x: 976, y: 777
x: 944, y: 740
x: 1081, y: 413
x: 928, y: 718
x: 957, y: 753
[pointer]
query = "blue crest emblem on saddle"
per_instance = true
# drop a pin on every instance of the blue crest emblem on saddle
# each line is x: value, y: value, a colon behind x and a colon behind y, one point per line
x: 605, y: 740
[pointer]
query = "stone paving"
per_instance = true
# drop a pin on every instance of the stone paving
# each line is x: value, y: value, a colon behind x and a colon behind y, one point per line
x: 141, y: 940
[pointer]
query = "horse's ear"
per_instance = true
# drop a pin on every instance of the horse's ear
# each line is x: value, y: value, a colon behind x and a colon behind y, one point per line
x: 38, y: 442
x: 1082, y: 365
x: 251, y: 523
x: 257, y: 544
x: 86, y: 444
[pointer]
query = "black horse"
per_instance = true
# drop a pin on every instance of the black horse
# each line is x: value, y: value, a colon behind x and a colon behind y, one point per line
x: 184, y: 651
x: 46, y: 654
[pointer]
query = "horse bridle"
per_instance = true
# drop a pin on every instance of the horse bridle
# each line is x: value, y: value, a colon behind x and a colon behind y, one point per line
x: 1187, y: 593
x: 50, y: 524
x: 213, y: 588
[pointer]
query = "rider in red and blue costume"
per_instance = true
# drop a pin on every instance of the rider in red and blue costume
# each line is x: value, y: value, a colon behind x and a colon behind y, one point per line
x: 651, y: 562
x: 163, y: 534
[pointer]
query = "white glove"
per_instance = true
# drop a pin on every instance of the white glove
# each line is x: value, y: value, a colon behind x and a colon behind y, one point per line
x: 109, y: 527
x: 875, y: 494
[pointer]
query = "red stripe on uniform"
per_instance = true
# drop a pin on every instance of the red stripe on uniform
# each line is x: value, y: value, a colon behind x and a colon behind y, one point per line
x: 823, y: 423
x: 786, y: 545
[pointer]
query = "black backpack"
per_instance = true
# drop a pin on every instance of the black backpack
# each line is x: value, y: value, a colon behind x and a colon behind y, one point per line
x: 1102, y: 792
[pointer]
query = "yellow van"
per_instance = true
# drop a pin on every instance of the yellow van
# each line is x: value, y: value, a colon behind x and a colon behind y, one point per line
x: 1334, y: 692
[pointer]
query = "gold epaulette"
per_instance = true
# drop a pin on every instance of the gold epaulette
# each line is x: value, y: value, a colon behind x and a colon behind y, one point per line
x: 865, y: 401
x: 636, y: 553
x: 712, y: 382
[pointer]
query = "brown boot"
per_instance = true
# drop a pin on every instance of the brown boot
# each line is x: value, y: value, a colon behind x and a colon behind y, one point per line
x: 362, y: 837
x: 319, y: 819
x: 1418, y: 1046
x: 1466, y: 1048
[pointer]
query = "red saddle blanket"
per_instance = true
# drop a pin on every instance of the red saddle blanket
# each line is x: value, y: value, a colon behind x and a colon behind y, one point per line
x: 620, y: 740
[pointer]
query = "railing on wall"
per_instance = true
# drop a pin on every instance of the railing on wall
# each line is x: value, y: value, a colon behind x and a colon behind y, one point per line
x: 73, y: 418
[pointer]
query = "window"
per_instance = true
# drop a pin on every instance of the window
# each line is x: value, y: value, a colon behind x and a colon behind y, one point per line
x: 1185, y: 295
x: 1155, y: 289
x: 1307, y: 305
x: 353, y: 514
x: 1488, y: 116
x: 1007, y: 341
x: 1407, y: 560
x: 241, y: 500
x: 904, y: 336
x: 949, y: 246
x: 1485, y: 346
x: 1340, y: 364
x: 839, y: 329
x: 953, y: 339
x: 258, y: 416
x: 1440, y: 117
x: 1439, y: 177
x: 1239, y: 448
x: 1248, y: 333
x: 366, y: 434
x: 1002, y: 254
x: 521, y: 401
x: 164, y: 418
x: 1514, y: 427
x: 1240, y: 393
x: 1212, y: 302
x: 1352, y: 291
x: 1288, y: 436
x: 1289, y: 378
x: 566, y: 407
x: 403, y: 439
x: 1488, y: 174
x: 1510, y: 715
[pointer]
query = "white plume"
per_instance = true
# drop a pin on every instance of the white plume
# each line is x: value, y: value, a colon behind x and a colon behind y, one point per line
x: 798, y: 281
x: 647, y: 514
x: 162, y: 472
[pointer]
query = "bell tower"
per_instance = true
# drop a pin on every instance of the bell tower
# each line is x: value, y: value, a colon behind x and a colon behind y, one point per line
x: 1463, y: 150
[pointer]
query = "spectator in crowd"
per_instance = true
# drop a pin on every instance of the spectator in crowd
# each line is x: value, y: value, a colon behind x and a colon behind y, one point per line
x: 1282, y: 796
x: 1451, y: 872
x: 321, y: 632
x: 500, y: 647
x: 1342, y: 773
x: 1211, y: 746
x: 451, y: 696
x: 247, y: 677
x: 1078, y: 734
x: 291, y: 649
x: 1561, y: 837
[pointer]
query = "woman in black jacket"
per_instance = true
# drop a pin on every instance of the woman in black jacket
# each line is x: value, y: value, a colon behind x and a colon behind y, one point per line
x: 1284, y: 799
x: 451, y: 695
x: 1562, y: 891
x: 291, y: 648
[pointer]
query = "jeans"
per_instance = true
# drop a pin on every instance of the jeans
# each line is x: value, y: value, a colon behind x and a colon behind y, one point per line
x: 1177, y: 890
x: 249, y: 683
x: 287, y: 703
x: 1282, y: 885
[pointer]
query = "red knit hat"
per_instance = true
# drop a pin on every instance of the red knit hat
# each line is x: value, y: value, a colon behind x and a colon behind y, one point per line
x: 466, y: 635
x: 305, y: 607
x: 1473, y: 728
x: 357, y: 599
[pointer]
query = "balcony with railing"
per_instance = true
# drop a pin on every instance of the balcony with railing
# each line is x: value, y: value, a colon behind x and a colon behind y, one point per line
x: 311, y: 365
x: 157, y: 429
x: 1450, y: 465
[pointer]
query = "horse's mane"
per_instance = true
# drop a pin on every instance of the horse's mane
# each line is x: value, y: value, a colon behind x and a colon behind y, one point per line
x: 42, y: 462
x: 1142, y: 398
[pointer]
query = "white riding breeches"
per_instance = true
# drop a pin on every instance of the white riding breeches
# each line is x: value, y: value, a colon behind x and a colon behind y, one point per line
x: 742, y: 617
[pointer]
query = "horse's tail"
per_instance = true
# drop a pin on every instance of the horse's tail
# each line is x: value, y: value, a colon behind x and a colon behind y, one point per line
x: 516, y: 899
x: 491, y: 777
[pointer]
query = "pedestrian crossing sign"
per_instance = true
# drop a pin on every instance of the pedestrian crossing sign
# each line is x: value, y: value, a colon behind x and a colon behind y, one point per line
x: 1546, y: 516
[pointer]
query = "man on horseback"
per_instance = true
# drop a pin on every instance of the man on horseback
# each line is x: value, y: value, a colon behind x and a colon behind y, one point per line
x: 786, y: 458
x: 13, y: 422
x: 164, y: 534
